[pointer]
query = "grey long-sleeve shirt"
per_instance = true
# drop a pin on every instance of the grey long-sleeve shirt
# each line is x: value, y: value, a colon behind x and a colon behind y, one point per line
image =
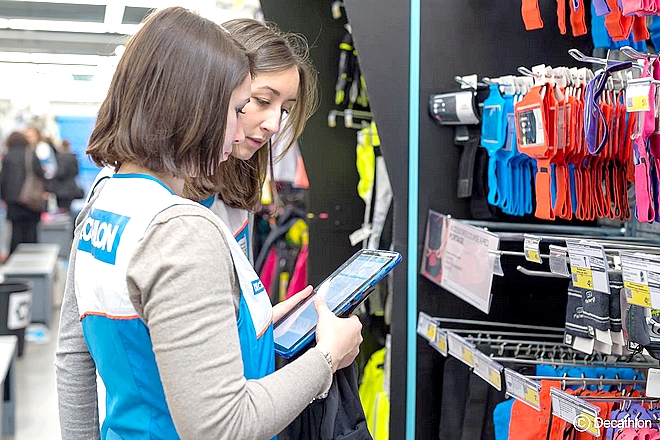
x: 185, y: 288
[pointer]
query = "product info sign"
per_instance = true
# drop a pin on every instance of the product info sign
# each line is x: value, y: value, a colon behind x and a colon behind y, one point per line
x: 467, y: 270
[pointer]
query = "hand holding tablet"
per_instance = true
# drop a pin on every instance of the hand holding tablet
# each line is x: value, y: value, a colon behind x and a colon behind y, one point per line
x: 342, y: 291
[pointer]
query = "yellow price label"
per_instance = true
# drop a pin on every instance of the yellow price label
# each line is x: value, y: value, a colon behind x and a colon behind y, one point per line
x: 442, y: 344
x: 495, y: 378
x: 582, y: 277
x: 638, y: 103
x: 532, y: 396
x: 587, y: 423
x: 430, y: 332
x: 638, y: 294
x: 468, y: 356
x: 533, y: 256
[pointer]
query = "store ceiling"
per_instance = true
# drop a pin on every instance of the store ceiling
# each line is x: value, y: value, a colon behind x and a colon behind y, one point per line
x: 67, y: 50
x: 88, y: 27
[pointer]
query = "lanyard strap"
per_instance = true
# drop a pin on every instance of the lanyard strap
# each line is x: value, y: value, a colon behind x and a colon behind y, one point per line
x: 561, y: 16
x: 592, y: 110
x: 531, y: 15
x: 578, y: 25
x: 562, y: 205
x: 639, y: 29
x: 503, y: 161
x: 468, y: 138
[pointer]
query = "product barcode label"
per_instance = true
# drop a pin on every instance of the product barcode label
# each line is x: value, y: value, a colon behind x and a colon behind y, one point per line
x: 589, y: 265
x: 641, y: 279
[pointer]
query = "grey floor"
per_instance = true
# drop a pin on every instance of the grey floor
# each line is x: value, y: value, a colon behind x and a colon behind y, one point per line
x: 36, y: 392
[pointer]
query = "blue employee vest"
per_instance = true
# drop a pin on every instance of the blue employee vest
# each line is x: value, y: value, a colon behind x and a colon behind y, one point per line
x: 117, y: 338
x: 257, y: 346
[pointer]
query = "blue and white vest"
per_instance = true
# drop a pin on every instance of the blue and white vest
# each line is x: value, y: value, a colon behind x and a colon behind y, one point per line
x: 237, y: 220
x: 117, y: 338
x: 236, y: 223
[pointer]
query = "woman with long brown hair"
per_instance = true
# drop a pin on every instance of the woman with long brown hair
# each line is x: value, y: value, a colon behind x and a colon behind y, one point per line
x: 283, y: 97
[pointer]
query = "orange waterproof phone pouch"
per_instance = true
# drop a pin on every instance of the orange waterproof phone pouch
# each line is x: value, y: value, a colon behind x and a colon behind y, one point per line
x: 533, y: 120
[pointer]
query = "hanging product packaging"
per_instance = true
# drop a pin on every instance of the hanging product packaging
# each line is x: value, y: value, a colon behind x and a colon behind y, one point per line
x: 645, y: 211
x: 455, y: 108
x: 493, y: 137
x: 532, y: 121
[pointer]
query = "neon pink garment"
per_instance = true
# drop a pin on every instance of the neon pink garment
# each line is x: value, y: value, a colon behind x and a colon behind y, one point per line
x: 299, y: 279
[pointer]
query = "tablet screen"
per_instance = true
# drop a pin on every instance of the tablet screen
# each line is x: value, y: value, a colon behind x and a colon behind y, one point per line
x: 335, y: 289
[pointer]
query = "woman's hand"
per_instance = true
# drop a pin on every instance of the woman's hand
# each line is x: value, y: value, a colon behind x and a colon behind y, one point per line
x: 341, y: 337
x: 282, y: 308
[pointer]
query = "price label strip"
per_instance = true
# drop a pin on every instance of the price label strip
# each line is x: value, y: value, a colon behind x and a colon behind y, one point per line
x: 531, y: 247
x: 641, y: 279
x: 461, y: 349
x: 488, y: 370
x: 559, y: 261
x: 426, y: 327
x: 522, y: 388
x: 588, y: 265
x: 440, y: 344
x: 576, y: 411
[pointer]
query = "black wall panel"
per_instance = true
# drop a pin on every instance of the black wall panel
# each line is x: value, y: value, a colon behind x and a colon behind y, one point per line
x: 458, y: 37
x: 381, y: 34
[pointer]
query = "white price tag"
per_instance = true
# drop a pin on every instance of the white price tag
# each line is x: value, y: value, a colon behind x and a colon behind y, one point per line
x: 641, y: 279
x: 360, y: 235
x: 426, y: 327
x: 469, y: 81
x: 441, y: 344
x: 532, y: 249
x: 653, y: 383
x: 637, y: 95
x: 588, y: 265
x: 522, y: 388
x: 559, y: 261
x: 461, y: 349
x: 488, y: 369
x: 576, y: 411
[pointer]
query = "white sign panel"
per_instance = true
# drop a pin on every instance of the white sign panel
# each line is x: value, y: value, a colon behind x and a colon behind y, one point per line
x: 466, y: 267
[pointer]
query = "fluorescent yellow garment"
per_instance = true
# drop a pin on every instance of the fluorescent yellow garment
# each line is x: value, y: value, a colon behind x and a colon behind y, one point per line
x: 366, y: 160
x: 375, y: 402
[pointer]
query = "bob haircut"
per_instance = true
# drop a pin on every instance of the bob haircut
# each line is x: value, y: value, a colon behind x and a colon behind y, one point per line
x: 239, y: 182
x: 169, y: 97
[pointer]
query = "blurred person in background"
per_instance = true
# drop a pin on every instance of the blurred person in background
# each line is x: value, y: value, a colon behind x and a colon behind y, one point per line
x: 64, y: 183
x: 24, y: 221
x: 46, y: 153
